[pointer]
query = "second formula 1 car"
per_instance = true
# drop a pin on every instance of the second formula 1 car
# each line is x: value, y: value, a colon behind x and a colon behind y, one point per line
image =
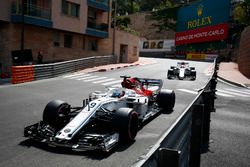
x: 105, y: 119
x: 182, y: 71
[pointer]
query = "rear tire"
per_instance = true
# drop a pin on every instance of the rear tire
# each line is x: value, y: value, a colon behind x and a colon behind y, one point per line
x: 55, y: 113
x: 166, y: 99
x: 193, y: 75
x: 126, y: 120
x: 170, y: 74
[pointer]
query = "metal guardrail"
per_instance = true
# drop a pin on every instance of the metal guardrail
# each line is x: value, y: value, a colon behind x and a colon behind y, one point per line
x: 188, y: 137
x: 51, y: 70
x: 55, y: 69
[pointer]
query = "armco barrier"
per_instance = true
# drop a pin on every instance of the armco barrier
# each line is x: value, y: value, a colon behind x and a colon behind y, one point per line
x: 188, y: 137
x: 22, y: 74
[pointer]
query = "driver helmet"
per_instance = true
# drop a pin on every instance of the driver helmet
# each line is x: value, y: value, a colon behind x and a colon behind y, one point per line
x: 118, y: 93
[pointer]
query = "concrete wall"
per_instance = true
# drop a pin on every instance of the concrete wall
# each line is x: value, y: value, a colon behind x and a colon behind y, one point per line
x: 122, y: 38
x: 42, y: 39
x: 69, y: 23
x: 132, y: 43
x: 244, y: 53
x: 5, y: 9
x: 7, y: 42
x: 74, y: 24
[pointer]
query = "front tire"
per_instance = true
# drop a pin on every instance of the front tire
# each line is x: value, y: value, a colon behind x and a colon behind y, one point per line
x: 126, y: 120
x: 193, y: 75
x: 55, y: 113
x: 166, y: 99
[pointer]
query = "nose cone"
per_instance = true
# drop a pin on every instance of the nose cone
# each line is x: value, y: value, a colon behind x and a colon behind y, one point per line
x: 182, y: 73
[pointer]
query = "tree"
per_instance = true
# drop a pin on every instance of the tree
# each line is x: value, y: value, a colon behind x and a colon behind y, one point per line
x: 241, y: 19
x: 241, y: 13
x: 126, y: 6
x: 123, y: 21
x: 166, y: 15
x: 122, y: 7
x: 149, y: 5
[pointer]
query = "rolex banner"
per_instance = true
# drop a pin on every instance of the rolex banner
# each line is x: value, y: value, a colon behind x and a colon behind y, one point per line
x: 203, y: 21
x: 209, y: 33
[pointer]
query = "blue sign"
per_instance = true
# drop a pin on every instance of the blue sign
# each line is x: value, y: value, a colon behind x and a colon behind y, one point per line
x: 203, y: 13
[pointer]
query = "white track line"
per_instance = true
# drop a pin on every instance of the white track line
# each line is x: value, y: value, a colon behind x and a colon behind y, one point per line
x: 188, y: 91
x: 105, y: 80
x: 239, y: 91
x: 79, y: 76
x: 74, y: 75
x: 223, y: 94
x: 88, y: 77
x: 94, y: 79
x: 231, y: 93
x: 117, y: 85
x: 113, y: 82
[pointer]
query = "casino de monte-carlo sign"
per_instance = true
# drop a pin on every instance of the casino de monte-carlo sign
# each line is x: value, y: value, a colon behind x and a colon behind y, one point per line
x: 202, y: 22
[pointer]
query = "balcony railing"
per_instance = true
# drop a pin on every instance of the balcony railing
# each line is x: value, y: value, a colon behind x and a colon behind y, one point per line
x: 33, y: 14
x: 100, y: 27
x: 97, y: 30
x: 99, y: 4
x: 31, y: 10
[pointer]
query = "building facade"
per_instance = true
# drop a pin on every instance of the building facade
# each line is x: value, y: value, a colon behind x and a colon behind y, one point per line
x: 58, y: 29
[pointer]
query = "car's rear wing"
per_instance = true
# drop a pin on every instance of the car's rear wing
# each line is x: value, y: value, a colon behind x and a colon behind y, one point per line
x: 144, y: 81
x: 179, y: 63
x: 151, y: 82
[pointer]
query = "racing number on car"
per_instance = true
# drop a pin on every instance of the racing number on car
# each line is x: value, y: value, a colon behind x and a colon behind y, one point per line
x: 92, y: 105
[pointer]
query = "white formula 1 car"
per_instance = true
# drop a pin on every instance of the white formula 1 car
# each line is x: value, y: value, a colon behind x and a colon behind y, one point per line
x: 182, y: 71
x: 105, y: 118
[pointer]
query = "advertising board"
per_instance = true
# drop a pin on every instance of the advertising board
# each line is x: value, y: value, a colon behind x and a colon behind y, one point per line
x: 203, y: 13
x: 157, y: 45
x: 209, y: 33
x: 203, y: 21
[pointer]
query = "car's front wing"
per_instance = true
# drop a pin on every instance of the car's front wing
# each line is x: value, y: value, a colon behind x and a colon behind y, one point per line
x: 43, y: 133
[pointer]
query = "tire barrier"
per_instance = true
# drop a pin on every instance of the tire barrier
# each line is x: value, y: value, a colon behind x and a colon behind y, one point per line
x: 21, y: 74
x: 183, y: 143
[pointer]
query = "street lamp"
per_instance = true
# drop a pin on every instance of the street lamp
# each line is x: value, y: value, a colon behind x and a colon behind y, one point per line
x: 114, y: 26
x: 22, y: 31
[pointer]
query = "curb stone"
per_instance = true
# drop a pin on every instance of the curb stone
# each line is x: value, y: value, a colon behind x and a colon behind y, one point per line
x: 233, y: 83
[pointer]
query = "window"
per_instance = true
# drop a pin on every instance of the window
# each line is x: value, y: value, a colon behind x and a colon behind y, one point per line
x: 70, y: 9
x: 134, y: 51
x: 65, y: 7
x: 91, y: 14
x: 91, y: 17
x: 83, y: 43
x: 92, y: 45
x: 74, y: 10
x: 56, y: 39
x: 68, y: 41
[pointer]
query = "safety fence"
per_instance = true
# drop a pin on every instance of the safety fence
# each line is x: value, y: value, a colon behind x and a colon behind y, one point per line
x: 21, y: 74
x: 188, y: 137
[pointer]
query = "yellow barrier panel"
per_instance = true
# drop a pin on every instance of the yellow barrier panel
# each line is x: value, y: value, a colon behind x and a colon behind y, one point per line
x: 196, y: 56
